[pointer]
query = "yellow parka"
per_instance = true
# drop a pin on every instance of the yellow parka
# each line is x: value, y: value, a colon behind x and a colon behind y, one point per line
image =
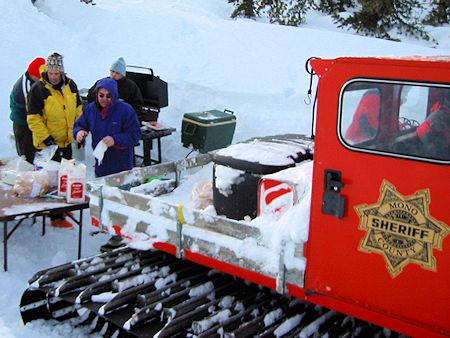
x: 52, y: 111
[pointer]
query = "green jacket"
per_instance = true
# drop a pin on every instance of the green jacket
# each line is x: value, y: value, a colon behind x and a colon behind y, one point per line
x: 18, y: 99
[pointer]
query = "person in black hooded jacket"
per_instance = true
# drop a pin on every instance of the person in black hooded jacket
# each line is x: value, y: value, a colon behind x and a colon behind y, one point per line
x: 128, y: 89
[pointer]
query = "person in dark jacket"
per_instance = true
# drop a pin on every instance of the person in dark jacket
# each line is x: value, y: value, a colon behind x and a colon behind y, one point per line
x: 112, y: 121
x: 18, y: 106
x: 127, y: 88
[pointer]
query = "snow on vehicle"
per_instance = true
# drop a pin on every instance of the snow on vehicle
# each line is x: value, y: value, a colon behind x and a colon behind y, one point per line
x: 361, y: 229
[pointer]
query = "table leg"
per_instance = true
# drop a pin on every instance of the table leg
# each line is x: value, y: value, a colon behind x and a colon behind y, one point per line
x: 5, y: 246
x: 146, y: 147
x: 80, y: 230
x: 43, y: 225
x: 159, y: 149
x: 6, y: 236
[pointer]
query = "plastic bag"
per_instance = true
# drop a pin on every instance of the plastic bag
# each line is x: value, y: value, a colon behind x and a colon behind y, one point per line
x: 202, y: 195
x: 21, y: 164
x: 42, y: 157
x: 11, y: 170
x: 78, y: 152
x: 31, y: 184
x: 52, y: 168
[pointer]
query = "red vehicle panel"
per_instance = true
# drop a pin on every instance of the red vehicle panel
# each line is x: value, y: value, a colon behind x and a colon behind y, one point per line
x: 378, y: 236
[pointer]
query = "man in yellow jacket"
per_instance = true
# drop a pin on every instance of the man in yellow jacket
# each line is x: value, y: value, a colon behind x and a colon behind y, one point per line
x: 53, y: 107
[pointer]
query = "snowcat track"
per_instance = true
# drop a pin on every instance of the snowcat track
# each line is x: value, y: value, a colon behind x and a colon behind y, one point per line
x: 131, y: 293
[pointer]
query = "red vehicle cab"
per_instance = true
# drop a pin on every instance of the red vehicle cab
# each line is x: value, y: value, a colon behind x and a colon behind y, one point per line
x: 378, y: 244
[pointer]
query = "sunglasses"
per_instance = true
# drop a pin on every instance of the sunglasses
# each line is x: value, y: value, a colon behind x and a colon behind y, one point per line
x: 101, y: 95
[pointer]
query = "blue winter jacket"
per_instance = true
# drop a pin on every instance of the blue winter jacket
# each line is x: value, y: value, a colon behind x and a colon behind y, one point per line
x: 120, y: 123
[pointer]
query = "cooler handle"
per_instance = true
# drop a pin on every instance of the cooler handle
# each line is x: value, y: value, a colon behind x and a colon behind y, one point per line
x: 190, y: 133
x: 229, y: 111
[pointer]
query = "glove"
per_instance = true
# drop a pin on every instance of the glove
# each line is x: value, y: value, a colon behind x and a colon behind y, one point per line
x: 49, y: 141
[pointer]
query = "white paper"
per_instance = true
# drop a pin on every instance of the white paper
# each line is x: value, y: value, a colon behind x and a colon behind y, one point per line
x: 99, y: 151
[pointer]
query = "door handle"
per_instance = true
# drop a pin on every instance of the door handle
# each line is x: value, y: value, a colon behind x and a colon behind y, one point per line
x: 332, y: 202
x: 333, y: 180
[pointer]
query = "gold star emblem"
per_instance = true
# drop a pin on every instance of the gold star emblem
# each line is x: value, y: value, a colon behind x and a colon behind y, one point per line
x: 401, y: 229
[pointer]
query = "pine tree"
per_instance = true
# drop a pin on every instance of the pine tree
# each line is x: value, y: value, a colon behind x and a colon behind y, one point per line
x: 243, y: 8
x: 284, y: 12
x: 378, y: 17
x: 332, y: 7
x: 439, y: 14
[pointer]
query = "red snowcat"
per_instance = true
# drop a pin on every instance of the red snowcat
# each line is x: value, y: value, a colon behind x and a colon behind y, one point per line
x: 340, y: 233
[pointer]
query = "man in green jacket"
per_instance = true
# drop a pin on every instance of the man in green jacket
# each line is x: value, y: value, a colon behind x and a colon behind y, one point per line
x: 18, y: 106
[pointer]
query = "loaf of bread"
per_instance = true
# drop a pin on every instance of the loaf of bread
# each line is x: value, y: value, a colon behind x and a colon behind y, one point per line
x: 31, y: 184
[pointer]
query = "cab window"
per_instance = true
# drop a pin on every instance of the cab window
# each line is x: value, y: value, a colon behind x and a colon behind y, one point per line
x: 407, y: 120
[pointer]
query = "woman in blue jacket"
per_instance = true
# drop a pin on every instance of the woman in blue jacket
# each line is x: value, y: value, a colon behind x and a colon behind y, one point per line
x: 112, y: 122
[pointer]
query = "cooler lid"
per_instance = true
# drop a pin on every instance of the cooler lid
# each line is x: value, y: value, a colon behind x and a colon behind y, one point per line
x: 210, y: 116
x: 266, y: 155
x: 249, y: 166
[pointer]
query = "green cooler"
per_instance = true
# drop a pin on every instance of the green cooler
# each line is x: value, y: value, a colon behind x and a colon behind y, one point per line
x: 208, y: 130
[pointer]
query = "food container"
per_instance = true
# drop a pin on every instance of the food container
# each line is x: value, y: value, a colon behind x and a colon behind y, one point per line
x: 208, y: 130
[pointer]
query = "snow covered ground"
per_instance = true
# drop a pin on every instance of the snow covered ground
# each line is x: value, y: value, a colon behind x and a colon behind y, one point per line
x: 209, y: 61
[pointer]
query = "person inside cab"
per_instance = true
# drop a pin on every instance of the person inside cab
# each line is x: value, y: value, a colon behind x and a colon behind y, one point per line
x: 434, y: 132
x: 364, y: 124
